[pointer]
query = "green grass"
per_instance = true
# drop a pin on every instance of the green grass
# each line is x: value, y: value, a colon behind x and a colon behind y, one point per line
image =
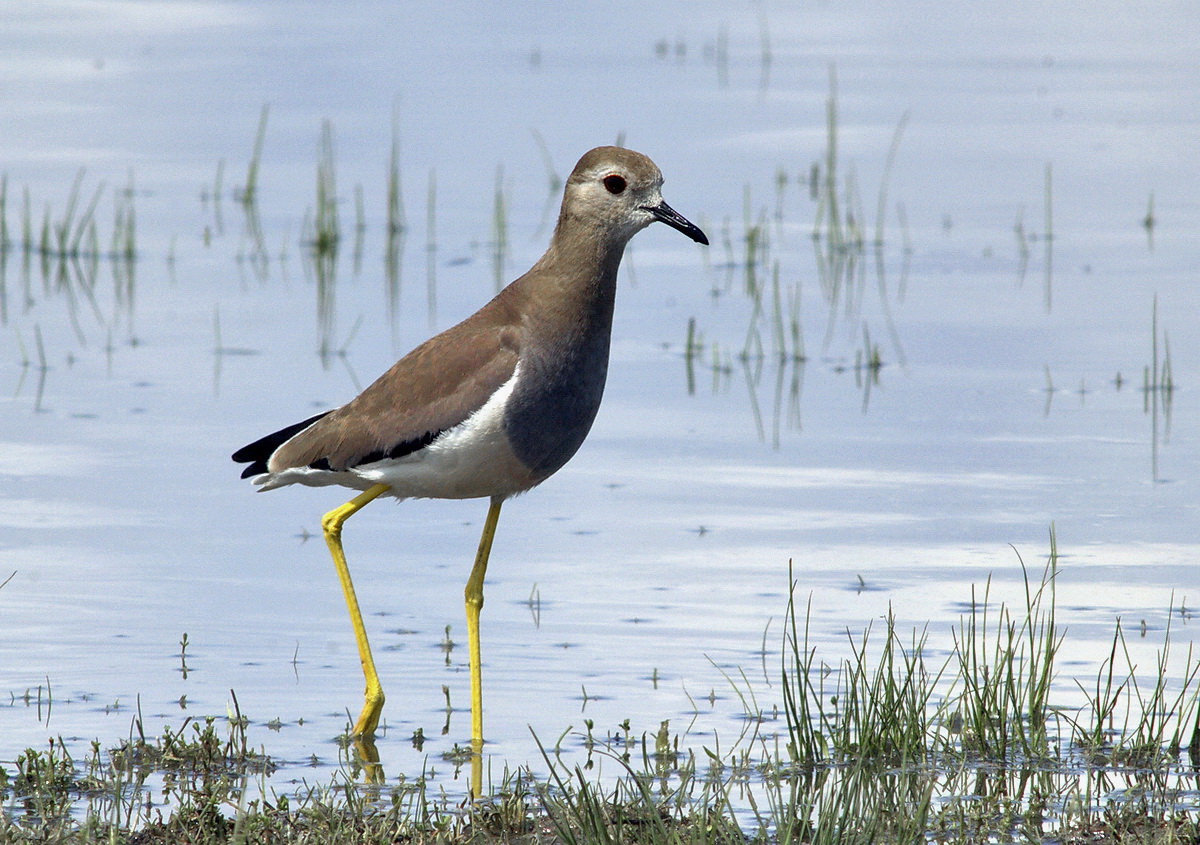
x: 396, y: 229
x: 1048, y: 235
x: 888, y: 744
x: 431, y: 248
x: 247, y: 195
x: 1157, y: 379
x: 325, y: 234
x: 500, y: 232
x: 322, y: 238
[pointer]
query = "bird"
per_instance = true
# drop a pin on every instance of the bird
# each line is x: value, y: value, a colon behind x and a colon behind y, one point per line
x: 490, y: 407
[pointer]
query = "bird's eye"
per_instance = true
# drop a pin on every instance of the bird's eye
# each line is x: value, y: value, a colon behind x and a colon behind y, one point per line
x: 614, y: 183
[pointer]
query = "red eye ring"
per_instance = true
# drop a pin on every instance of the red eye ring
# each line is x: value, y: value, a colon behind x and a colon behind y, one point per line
x: 614, y: 183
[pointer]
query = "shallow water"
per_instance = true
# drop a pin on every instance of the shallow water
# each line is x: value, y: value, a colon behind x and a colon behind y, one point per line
x: 657, y: 561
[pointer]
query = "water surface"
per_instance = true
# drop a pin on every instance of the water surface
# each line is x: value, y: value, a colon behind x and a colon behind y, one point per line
x: 1009, y: 398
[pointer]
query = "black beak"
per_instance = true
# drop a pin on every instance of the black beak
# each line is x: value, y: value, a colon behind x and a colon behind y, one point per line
x: 675, y: 220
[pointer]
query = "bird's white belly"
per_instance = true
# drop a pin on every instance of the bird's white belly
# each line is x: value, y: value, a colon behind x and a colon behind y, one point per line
x: 472, y: 459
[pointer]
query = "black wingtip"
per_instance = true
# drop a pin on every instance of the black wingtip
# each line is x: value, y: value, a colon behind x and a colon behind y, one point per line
x: 256, y: 468
x: 259, y: 452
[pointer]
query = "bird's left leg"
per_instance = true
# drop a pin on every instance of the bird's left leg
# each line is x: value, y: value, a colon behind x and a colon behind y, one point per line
x: 474, y: 600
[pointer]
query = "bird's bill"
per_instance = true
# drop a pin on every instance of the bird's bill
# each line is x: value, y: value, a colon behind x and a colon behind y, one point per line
x: 675, y: 220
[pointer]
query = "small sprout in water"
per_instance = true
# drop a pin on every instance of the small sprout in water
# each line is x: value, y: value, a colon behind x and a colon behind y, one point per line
x: 183, y: 644
x: 457, y: 755
x: 662, y: 744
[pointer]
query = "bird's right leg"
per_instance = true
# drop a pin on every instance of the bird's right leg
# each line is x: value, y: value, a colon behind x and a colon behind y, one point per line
x: 332, y: 522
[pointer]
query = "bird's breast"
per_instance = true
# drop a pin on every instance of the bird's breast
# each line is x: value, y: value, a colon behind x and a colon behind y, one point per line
x: 555, y: 400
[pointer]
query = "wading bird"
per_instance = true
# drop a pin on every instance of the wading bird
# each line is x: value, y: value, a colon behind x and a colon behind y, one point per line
x: 490, y: 407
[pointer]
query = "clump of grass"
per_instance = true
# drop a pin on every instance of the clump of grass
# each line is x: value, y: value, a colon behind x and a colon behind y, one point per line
x: 1152, y: 733
x: 1000, y: 707
x: 990, y: 702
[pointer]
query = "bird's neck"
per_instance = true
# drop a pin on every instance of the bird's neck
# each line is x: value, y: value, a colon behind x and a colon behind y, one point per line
x: 577, y: 276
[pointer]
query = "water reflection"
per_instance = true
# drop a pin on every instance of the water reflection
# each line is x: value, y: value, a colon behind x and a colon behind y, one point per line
x: 1048, y: 239
x: 253, y: 247
x: 554, y: 186
x: 67, y: 254
x: 1158, y: 391
x: 787, y: 383
x: 395, y: 231
x: 431, y: 248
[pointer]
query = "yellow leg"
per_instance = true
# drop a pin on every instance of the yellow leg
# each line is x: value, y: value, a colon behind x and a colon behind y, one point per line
x: 474, y: 597
x: 332, y: 523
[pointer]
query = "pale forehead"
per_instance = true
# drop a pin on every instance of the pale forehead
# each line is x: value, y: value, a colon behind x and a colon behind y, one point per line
x: 603, y: 161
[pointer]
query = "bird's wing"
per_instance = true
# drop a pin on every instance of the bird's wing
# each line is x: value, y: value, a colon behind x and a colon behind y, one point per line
x: 433, y: 388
